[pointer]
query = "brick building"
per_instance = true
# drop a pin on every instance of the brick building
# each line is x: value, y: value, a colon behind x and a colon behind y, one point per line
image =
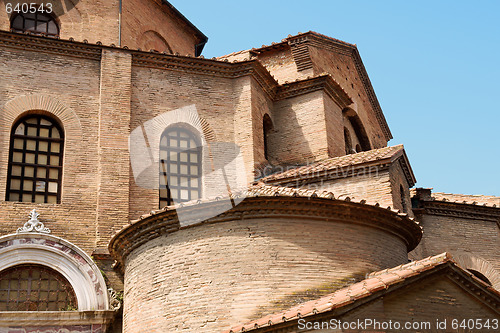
x: 255, y: 191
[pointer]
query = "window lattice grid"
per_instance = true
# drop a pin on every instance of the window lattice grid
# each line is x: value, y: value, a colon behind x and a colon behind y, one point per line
x: 180, y: 167
x: 35, y: 288
x: 37, y: 22
x: 35, y: 161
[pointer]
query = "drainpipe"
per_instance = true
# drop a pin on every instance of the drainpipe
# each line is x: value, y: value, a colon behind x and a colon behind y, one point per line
x: 120, y: 23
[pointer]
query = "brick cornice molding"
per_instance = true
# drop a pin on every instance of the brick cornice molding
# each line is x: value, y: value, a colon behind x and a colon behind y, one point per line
x: 208, y: 67
x: 50, y: 45
x: 323, y: 82
x: 461, y: 210
x: 258, y: 207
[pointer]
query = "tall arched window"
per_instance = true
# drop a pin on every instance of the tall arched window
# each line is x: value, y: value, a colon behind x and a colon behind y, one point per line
x: 35, y: 288
x: 267, y: 125
x: 35, y: 160
x: 180, y: 166
x: 38, y: 22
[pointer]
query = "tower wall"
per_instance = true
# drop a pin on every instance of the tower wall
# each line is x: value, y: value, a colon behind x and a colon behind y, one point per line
x: 263, y: 256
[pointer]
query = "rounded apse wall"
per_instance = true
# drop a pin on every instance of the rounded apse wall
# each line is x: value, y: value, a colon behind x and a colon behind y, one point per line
x: 263, y: 256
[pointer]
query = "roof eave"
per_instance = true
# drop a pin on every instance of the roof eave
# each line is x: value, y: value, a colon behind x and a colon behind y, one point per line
x: 202, y: 37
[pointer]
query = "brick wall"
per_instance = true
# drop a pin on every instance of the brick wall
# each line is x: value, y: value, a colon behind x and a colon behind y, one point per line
x: 147, y: 24
x: 67, y: 88
x: 300, y: 129
x: 214, y: 276
x: 477, y: 239
x: 343, y: 70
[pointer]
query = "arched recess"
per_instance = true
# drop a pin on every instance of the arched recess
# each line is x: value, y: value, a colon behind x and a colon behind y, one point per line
x: 23, y: 105
x: 16, y: 107
x: 62, y: 256
x: 480, y: 265
x: 151, y: 40
x: 267, y: 127
x: 144, y: 143
x: 353, y: 120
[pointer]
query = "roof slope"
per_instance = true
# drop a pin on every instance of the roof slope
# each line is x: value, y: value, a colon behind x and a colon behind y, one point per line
x: 370, y: 157
x: 376, y: 283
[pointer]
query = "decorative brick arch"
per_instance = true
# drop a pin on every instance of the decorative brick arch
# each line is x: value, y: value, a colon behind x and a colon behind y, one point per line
x: 468, y: 261
x: 20, y: 105
x: 152, y: 40
x: 41, y: 104
x: 144, y: 142
x: 62, y: 256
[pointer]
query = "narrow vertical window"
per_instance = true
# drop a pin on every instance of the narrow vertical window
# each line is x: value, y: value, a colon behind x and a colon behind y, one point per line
x: 35, y: 160
x: 267, y: 126
x: 403, y: 199
x: 180, y: 167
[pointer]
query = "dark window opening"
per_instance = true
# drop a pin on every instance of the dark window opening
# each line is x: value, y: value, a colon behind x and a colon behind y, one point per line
x: 267, y: 126
x: 35, y: 161
x: 180, y: 167
x: 38, y: 22
x: 35, y: 288
x: 403, y: 199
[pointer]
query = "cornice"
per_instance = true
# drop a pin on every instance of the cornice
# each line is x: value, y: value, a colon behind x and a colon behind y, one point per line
x: 460, y: 210
x: 256, y: 207
x: 50, y: 45
x: 197, y: 65
x: 207, y: 67
x: 323, y: 82
x: 407, y: 170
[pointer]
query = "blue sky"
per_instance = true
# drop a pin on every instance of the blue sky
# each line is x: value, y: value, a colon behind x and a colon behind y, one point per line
x: 433, y: 65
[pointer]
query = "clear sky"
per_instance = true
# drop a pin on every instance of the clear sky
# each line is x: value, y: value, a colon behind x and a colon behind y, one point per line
x: 434, y: 66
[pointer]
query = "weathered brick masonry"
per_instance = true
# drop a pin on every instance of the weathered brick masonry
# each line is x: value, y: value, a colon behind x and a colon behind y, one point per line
x: 328, y: 202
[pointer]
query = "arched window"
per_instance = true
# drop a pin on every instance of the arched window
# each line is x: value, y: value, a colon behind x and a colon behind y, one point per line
x: 35, y: 160
x: 180, y: 166
x: 38, y: 22
x: 35, y: 288
x: 403, y: 199
x: 267, y: 126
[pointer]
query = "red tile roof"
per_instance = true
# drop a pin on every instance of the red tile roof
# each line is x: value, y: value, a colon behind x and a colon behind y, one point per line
x: 468, y: 199
x: 375, y: 282
x: 324, y: 167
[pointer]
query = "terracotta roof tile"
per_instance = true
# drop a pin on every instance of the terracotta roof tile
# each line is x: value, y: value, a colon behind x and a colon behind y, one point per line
x: 374, y: 282
x: 385, y: 154
x: 486, y: 200
x: 260, y: 189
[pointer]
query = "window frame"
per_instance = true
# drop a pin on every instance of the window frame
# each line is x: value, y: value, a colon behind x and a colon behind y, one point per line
x: 35, y: 165
x: 165, y: 165
x: 51, y: 18
x: 63, y: 286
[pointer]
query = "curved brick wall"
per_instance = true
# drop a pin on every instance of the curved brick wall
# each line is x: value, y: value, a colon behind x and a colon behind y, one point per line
x: 212, y: 276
